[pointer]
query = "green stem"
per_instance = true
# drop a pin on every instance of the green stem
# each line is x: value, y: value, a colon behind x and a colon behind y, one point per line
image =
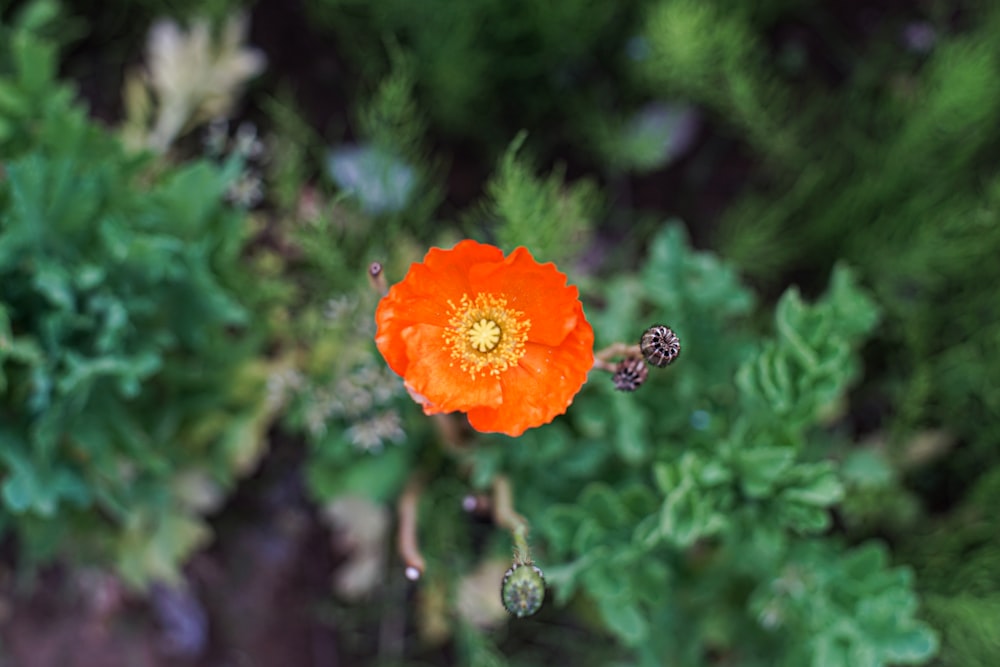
x: 506, y: 517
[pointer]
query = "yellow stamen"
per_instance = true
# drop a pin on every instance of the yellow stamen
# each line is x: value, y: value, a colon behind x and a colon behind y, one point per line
x: 485, y: 335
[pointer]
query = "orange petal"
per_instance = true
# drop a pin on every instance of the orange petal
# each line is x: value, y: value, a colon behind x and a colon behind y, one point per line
x: 434, y: 375
x: 443, y: 276
x: 541, y: 386
x: 422, y: 296
x: 538, y: 290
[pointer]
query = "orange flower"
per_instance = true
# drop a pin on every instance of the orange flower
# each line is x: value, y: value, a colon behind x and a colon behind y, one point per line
x: 503, y: 339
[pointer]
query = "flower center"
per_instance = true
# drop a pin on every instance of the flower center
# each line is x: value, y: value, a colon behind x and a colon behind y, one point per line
x: 485, y: 335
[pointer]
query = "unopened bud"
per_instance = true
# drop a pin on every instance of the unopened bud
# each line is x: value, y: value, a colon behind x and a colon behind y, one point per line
x: 630, y: 373
x: 523, y: 590
x: 660, y: 345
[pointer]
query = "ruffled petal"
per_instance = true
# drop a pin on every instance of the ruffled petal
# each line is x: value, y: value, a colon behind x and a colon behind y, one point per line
x: 423, y: 296
x: 541, y: 386
x: 433, y: 375
x: 443, y: 277
x: 558, y: 353
x: 538, y: 290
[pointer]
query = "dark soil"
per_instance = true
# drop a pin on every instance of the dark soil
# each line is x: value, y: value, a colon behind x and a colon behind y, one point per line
x: 248, y: 600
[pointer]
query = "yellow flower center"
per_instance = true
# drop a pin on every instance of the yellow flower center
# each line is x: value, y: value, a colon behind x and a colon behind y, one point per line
x: 485, y: 335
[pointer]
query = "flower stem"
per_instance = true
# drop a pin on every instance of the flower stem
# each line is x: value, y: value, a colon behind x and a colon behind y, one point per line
x: 407, y: 507
x: 602, y: 358
x: 376, y: 277
x: 506, y: 517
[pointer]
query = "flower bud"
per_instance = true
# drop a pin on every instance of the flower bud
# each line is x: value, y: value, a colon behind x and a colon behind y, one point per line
x: 523, y: 590
x: 630, y: 373
x: 660, y: 345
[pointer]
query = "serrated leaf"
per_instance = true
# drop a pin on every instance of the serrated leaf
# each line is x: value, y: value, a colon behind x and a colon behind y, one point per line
x: 589, y: 535
x: 760, y: 469
x: 822, y: 489
x: 602, y: 503
x: 666, y: 476
x: 559, y: 524
x: 12, y: 102
x: 688, y: 515
x: 630, y: 429
x: 624, y: 619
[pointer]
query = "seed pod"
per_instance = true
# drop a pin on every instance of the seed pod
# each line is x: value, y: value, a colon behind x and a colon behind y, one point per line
x: 660, y: 345
x: 376, y: 276
x: 523, y: 590
x: 630, y: 373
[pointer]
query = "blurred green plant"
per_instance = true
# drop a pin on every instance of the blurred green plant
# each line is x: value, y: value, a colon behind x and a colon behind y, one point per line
x: 714, y: 56
x: 898, y: 179
x: 547, y: 215
x: 911, y: 199
x: 131, y: 390
x: 485, y: 69
x: 955, y: 559
x: 691, y: 521
x: 682, y: 513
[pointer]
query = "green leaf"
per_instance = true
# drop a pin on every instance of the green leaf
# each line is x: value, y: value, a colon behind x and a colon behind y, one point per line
x: 35, y: 61
x: 674, y: 276
x: 547, y: 216
x: 760, y: 469
x: 697, y: 503
x: 851, y: 606
x: 12, y: 102
x: 624, y: 619
x: 818, y: 485
x: 806, y: 369
x: 630, y: 429
x: 603, y: 504
x: 376, y: 477
x: 153, y: 546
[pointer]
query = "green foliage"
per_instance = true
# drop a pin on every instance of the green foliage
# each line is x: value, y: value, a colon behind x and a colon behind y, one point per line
x: 488, y: 68
x: 128, y: 358
x: 955, y: 560
x: 801, y: 374
x: 850, y: 608
x: 676, y: 513
x: 28, y: 64
x: 719, y: 515
x: 545, y: 215
x: 914, y: 210
x: 711, y: 55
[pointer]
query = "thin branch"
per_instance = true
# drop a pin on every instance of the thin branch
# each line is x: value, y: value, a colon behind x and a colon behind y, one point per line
x: 505, y: 516
x: 407, y: 508
x: 376, y: 276
x: 616, y: 350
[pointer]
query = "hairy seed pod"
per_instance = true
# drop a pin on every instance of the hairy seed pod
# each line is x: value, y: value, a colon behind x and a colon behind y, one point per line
x: 523, y: 590
x: 630, y: 373
x: 660, y: 345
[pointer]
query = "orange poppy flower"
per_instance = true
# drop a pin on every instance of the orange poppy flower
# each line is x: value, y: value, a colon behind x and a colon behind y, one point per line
x: 503, y: 339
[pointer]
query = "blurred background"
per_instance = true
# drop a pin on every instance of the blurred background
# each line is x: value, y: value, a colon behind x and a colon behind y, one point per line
x: 202, y: 454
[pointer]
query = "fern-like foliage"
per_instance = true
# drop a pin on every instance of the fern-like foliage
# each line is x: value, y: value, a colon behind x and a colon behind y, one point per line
x: 547, y: 215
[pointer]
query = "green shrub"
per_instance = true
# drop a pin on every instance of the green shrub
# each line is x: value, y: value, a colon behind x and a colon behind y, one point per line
x: 480, y: 65
x: 130, y: 390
